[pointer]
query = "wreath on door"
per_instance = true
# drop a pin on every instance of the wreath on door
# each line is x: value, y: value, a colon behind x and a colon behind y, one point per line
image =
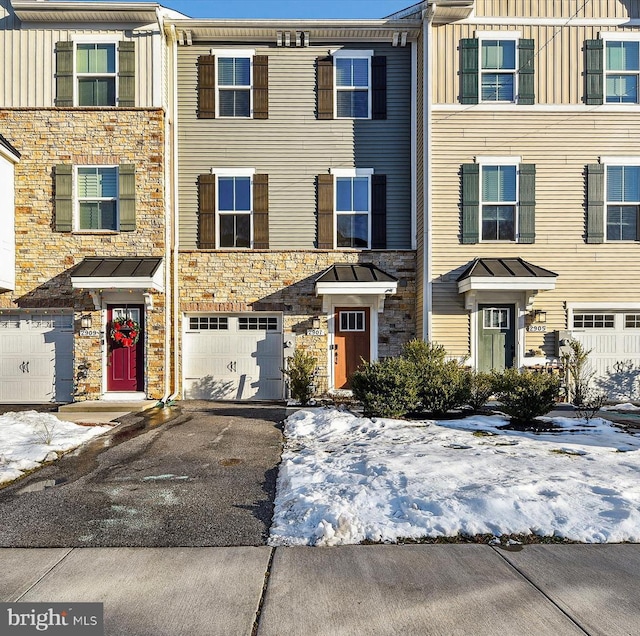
x: 125, y: 331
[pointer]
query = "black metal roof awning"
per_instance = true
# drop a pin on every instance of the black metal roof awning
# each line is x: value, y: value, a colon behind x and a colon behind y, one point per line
x: 355, y: 273
x: 505, y: 273
x: 118, y: 273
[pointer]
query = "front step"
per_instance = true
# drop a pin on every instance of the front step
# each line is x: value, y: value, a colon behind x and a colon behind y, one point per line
x: 102, y: 406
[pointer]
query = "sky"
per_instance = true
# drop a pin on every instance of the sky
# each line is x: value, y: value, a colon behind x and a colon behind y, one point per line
x: 305, y: 9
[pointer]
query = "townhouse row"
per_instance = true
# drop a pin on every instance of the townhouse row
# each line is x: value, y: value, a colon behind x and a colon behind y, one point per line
x: 187, y: 202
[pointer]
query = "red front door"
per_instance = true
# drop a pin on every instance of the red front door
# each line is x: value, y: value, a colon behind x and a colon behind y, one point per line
x: 125, y: 364
x: 351, y: 343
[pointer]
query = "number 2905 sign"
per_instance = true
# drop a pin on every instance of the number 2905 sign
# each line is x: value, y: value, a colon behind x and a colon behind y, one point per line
x: 538, y: 328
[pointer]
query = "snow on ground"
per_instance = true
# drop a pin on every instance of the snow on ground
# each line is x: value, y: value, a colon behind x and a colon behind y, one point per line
x: 28, y: 438
x: 345, y: 479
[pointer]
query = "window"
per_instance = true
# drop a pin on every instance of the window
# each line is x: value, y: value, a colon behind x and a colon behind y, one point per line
x: 234, y: 86
x: 622, y: 67
x: 593, y: 321
x: 258, y: 324
x: 499, y: 200
x: 632, y: 321
x: 497, y: 67
x: 352, y: 321
x: 352, y: 87
x: 97, y: 192
x: 623, y: 202
x: 495, y: 318
x: 498, y: 70
x: 208, y: 323
x: 96, y: 74
x: 234, y: 211
x: 352, y: 211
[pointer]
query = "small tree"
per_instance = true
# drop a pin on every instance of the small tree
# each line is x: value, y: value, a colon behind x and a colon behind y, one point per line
x: 300, y: 371
x: 579, y: 373
x: 526, y: 395
x: 386, y: 388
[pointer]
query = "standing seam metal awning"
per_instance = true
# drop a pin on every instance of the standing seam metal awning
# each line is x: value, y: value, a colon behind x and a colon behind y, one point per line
x: 118, y: 273
x: 505, y: 274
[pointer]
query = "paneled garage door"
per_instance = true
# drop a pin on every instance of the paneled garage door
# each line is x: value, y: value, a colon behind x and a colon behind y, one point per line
x: 232, y: 357
x: 614, y: 341
x: 36, y: 358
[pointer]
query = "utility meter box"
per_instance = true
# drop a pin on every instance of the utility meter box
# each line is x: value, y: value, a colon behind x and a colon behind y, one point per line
x: 562, y: 344
x: 289, y: 345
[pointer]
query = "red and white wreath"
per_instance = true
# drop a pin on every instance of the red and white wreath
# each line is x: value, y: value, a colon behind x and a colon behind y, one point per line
x: 125, y: 331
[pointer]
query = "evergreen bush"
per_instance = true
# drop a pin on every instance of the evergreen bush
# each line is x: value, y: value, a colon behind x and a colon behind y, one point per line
x: 300, y: 371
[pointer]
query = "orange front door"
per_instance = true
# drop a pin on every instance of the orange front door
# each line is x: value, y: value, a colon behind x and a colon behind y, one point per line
x: 351, y: 343
x: 125, y: 364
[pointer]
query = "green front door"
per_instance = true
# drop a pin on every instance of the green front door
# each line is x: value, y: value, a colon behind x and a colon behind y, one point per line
x: 496, y: 337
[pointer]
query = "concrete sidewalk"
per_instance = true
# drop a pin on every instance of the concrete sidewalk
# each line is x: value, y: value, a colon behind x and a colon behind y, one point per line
x: 352, y: 590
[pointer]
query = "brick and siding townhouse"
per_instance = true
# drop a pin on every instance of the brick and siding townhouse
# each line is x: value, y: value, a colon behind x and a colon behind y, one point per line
x: 82, y: 104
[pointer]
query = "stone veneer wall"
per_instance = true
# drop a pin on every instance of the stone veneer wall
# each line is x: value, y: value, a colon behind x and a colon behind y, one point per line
x: 284, y: 281
x: 44, y: 138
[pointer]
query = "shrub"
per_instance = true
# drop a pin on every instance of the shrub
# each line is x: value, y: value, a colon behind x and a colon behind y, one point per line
x: 386, y: 388
x: 443, y: 384
x: 592, y: 402
x: 481, y: 388
x: 300, y: 372
x: 525, y: 396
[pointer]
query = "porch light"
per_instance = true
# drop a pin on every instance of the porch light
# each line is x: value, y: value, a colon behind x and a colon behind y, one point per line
x: 85, y: 321
x: 539, y: 315
x: 316, y: 322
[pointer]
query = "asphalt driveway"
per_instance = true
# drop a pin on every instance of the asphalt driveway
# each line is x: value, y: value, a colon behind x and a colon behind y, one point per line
x: 200, y: 474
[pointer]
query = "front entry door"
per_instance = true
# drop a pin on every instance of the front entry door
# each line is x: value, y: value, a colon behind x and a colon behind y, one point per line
x: 496, y: 337
x: 351, y: 343
x: 125, y: 364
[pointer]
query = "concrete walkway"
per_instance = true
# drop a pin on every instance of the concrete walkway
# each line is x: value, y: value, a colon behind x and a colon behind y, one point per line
x: 352, y: 590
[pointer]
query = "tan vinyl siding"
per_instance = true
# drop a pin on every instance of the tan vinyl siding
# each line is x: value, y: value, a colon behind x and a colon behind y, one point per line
x: 558, y: 8
x: 293, y: 147
x: 559, y: 59
x: 28, y: 63
x: 560, y: 145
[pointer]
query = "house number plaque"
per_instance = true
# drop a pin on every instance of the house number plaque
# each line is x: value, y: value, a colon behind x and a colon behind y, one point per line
x: 538, y: 328
x: 316, y: 332
x: 92, y: 333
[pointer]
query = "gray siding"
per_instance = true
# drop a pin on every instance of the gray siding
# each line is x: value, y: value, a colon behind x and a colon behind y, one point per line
x: 293, y: 147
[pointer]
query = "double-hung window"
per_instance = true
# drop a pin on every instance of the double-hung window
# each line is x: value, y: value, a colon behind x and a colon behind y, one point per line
x: 498, y: 70
x: 353, y: 208
x: 622, y: 202
x: 499, y: 192
x: 234, y: 210
x: 234, y: 85
x: 96, y: 74
x: 352, y: 84
x: 622, y: 68
x: 97, y: 198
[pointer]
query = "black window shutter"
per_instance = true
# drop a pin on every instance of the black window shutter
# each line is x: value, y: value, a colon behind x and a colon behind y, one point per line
x: 527, y: 204
x: 207, y: 211
x: 261, y: 211
x: 324, y: 67
x: 378, y: 211
x: 64, y: 198
x: 594, y: 72
x: 127, y: 74
x: 595, y: 203
x: 469, y: 71
x: 325, y: 211
x: 470, y: 203
x: 206, y: 87
x: 260, y: 87
x: 526, y: 73
x: 64, y: 74
x: 379, y: 86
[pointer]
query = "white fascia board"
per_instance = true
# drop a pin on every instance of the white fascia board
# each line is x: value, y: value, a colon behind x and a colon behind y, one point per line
x: 477, y: 283
x: 621, y: 161
x: 601, y: 305
x: 7, y: 154
x: 124, y: 282
x: 342, y: 289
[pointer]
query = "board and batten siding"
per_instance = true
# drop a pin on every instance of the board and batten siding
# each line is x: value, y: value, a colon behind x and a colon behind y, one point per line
x: 559, y: 59
x: 28, y: 61
x: 560, y: 145
x: 558, y: 8
x: 293, y: 147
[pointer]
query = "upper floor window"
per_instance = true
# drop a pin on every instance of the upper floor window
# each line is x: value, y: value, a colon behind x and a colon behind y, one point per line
x: 497, y: 67
x: 352, y: 87
x: 234, y: 210
x: 499, y: 201
x: 352, y: 211
x: 623, y: 202
x: 233, y: 83
x: 97, y: 196
x: 95, y: 73
x: 622, y: 67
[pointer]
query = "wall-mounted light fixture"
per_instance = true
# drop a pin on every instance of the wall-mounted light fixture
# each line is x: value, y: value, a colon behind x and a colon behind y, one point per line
x: 85, y: 321
x: 539, y: 316
x: 316, y: 322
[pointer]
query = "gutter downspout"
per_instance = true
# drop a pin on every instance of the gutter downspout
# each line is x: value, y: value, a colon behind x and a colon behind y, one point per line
x: 427, y: 98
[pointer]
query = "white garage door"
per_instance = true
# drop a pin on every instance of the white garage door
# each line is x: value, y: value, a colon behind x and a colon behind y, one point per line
x: 614, y: 340
x: 36, y: 358
x: 232, y: 357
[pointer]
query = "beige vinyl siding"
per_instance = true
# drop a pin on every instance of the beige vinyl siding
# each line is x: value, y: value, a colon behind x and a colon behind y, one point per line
x: 292, y: 146
x: 559, y: 59
x: 558, y: 8
x: 560, y: 145
x: 28, y: 63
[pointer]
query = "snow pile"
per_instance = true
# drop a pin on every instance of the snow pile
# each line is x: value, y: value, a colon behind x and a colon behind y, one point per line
x: 29, y: 438
x: 345, y: 479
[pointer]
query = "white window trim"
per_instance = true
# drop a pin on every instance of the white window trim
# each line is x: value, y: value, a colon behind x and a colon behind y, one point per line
x: 498, y: 35
x: 612, y: 36
x: 352, y: 54
x: 487, y: 160
x: 245, y: 53
x: 234, y: 172
x: 614, y: 162
x: 95, y: 39
x: 76, y: 201
x: 351, y: 173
